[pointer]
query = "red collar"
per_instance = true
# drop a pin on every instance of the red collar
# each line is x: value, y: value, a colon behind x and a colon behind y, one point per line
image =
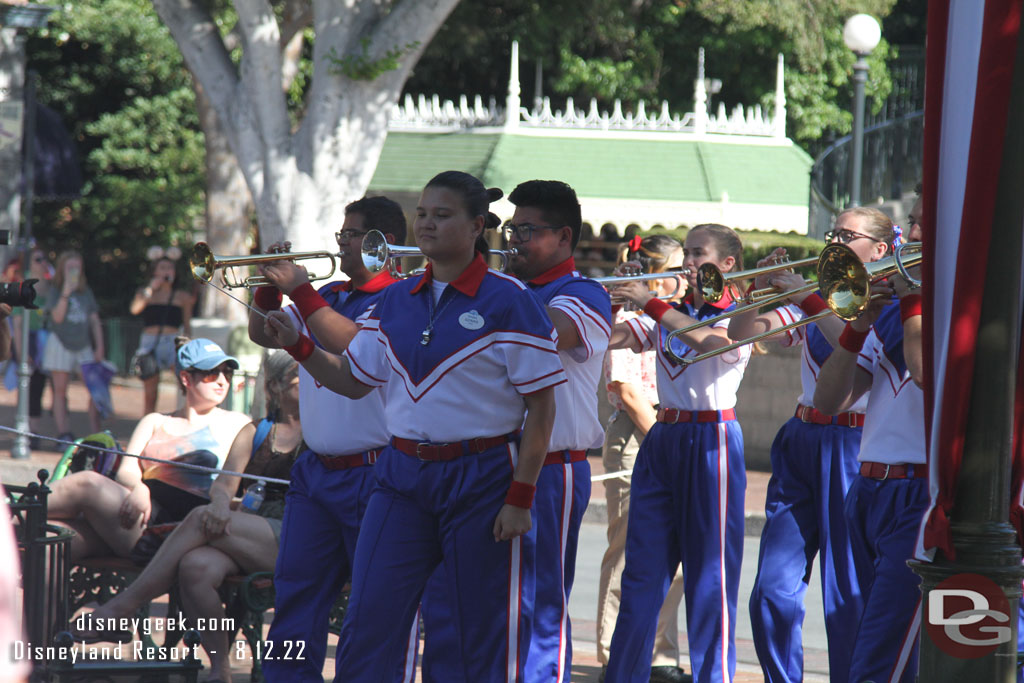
x: 564, y: 268
x: 722, y: 303
x: 374, y: 284
x: 468, y: 281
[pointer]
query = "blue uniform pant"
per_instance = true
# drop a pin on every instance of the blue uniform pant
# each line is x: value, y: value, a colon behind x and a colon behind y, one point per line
x: 563, y: 491
x: 686, y: 505
x: 322, y: 513
x: 423, y: 514
x: 812, y: 468
x: 884, y: 518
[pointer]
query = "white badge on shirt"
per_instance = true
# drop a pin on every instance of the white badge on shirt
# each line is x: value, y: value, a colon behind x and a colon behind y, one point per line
x: 471, y: 320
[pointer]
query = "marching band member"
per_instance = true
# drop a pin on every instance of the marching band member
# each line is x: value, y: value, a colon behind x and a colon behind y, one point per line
x: 885, y: 503
x: 544, y: 231
x: 634, y: 395
x: 689, y: 480
x: 814, y: 461
x: 331, y: 481
x: 462, y: 352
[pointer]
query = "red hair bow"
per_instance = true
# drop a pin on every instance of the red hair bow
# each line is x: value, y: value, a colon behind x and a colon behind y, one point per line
x: 634, y: 243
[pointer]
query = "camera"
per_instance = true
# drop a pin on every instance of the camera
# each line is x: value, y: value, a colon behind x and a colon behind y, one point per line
x: 19, y: 293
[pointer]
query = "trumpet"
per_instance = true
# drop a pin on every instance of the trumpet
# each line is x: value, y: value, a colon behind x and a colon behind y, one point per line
x: 613, y: 280
x: 204, y: 263
x: 378, y: 255
x: 845, y: 284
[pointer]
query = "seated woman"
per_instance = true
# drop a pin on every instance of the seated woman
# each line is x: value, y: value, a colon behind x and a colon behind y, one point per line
x: 216, y: 541
x: 109, y: 515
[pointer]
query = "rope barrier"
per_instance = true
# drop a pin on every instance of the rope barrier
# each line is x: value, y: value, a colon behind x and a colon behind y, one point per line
x: 186, y: 465
x: 621, y: 474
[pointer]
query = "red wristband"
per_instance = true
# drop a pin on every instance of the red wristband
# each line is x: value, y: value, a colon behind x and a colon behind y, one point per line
x: 910, y: 305
x: 302, y: 349
x: 812, y: 305
x: 307, y: 300
x: 520, y: 495
x: 267, y: 298
x: 656, y: 308
x: 851, y: 339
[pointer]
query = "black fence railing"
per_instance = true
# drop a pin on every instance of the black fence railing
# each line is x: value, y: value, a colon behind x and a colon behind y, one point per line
x: 893, y: 155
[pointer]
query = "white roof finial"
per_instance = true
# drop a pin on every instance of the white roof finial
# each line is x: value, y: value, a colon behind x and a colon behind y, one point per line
x: 700, y: 98
x: 779, y: 124
x: 512, y: 103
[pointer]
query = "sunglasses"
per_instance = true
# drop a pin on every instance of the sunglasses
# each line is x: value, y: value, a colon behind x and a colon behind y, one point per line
x: 208, y: 376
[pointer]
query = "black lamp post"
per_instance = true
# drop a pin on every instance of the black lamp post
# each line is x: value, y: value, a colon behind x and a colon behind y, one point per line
x: 25, y: 17
x: 861, y: 34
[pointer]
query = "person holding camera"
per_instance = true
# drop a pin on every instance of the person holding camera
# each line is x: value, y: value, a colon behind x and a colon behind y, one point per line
x: 166, y: 312
x: 76, y: 337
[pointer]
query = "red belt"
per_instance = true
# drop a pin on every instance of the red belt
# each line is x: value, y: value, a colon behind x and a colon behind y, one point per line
x: 424, y: 450
x: 809, y: 414
x: 671, y: 415
x: 880, y: 470
x: 347, y: 462
x: 563, y: 457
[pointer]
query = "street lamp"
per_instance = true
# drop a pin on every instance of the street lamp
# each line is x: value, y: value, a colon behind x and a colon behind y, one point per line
x: 25, y: 16
x: 861, y: 34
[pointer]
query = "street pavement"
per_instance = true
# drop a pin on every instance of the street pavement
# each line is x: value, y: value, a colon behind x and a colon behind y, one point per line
x: 127, y: 398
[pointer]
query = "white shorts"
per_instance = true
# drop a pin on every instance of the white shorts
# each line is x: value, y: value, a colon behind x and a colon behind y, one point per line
x: 58, y: 358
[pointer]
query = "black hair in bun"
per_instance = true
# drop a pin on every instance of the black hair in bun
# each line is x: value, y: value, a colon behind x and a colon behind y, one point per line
x: 476, y: 197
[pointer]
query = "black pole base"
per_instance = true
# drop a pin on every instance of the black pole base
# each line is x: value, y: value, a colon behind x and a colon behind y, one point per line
x: 957, y: 645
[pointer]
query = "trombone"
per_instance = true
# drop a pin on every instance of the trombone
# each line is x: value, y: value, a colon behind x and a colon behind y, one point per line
x: 845, y: 283
x: 712, y: 281
x: 378, y: 254
x: 614, y: 280
x: 204, y: 263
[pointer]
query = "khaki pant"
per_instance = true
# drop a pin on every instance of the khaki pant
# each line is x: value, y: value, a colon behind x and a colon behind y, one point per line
x: 620, y: 446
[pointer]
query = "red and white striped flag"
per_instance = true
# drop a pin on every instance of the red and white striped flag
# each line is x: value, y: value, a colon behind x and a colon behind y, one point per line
x: 974, y: 63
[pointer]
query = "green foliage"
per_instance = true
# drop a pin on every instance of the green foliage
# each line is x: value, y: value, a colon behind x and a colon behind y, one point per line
x: 359, y: 67
x: 646, y: 50
x: 114, y: 74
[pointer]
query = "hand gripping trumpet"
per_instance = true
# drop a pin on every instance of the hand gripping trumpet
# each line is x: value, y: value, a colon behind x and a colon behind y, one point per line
x: 614, y: 280
x: 845, y: 284
x: 378, y: 254
x: 204, y: 263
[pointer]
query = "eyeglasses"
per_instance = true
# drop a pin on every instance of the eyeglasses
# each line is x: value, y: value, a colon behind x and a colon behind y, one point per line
x: 844, y: 236
x: 346, y: 235
x: 208, y: 376
x: 524, y: 231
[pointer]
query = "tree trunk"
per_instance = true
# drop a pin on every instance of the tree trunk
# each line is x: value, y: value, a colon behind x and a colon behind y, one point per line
x: 228, y: 210
x: 301, y: 178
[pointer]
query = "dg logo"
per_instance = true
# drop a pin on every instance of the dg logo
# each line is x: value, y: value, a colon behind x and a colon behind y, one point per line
x: 968, y: 616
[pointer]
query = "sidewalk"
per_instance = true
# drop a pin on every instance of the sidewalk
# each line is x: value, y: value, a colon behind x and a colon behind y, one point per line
x: 128, y: 405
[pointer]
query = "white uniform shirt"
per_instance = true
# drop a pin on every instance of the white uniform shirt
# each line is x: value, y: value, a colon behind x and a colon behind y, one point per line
x: 708, y: 385
x: 491, y: 344
x: 331, y: 423
x: 588, y: 306
x: 814, y: 352
x: 894, y: 422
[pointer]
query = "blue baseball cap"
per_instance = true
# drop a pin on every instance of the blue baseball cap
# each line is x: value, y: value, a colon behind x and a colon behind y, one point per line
x: 203, y: 354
